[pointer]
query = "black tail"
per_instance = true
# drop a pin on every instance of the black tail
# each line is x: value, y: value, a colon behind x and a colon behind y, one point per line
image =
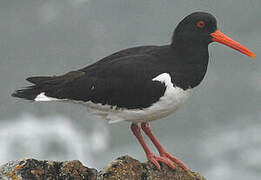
x: 46, y: 84
x: 30, y: 92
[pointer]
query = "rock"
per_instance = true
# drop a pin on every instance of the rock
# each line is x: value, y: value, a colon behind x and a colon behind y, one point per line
x: 123, y: 168
x: 32, y: 169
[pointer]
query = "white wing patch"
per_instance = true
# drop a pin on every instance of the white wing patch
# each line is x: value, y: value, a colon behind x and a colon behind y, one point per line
x: 164, y: 78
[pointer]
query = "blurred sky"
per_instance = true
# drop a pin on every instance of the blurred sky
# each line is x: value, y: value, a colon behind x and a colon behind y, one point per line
x: 51, y: 37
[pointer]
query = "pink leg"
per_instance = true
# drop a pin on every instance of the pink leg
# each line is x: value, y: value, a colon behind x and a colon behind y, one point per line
x: 150, y: 156
x: 163, y: 153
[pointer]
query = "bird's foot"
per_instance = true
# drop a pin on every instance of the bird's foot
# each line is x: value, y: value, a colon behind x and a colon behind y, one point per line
x: 174, y: 159
x: 171, y: 158
x: 168, y: 159
x: 155, y: 160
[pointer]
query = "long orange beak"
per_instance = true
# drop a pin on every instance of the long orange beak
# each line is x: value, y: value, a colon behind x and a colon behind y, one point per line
x: 223, y: 39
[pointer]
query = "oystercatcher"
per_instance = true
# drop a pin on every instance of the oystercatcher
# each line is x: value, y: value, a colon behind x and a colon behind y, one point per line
x: 140, y: 84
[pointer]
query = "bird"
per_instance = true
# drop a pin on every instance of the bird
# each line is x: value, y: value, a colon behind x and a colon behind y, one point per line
x: 140, y: 84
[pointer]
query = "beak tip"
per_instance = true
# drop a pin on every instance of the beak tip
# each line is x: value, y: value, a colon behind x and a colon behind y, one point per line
x: 251, y: 54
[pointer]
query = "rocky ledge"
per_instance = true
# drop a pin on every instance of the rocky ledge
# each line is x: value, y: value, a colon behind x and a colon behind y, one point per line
x: 123, y: 168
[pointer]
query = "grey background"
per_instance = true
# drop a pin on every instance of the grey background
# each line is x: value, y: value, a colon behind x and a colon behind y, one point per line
x: 218, y: 130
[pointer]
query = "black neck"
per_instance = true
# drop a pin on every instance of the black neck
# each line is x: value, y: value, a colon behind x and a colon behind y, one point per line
x: 191, y: 48
x: 193, y: 59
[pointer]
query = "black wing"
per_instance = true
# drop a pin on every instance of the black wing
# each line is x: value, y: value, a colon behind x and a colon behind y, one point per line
x: 140, y: 50
x: 125, y: 82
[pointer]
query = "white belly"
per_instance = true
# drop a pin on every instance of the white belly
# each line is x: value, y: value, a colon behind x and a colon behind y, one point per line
x: 167, y: 104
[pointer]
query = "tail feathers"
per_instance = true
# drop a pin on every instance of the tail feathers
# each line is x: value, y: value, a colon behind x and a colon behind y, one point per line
x: 45, y: 84
x: 39, y: 79
x: 29, y: 93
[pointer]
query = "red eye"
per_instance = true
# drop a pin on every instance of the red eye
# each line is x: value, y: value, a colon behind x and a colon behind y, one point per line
x: 201, y: 24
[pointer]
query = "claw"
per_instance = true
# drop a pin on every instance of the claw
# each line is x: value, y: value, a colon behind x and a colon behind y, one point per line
x: 155, y: 162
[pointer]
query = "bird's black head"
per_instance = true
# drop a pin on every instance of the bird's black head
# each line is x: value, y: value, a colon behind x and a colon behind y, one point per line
x: 198, y: 30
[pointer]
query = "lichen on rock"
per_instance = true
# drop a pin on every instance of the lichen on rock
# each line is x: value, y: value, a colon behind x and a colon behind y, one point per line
x: 123, y: 168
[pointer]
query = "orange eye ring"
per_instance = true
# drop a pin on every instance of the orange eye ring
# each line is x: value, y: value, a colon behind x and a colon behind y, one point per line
x: 201, y: 24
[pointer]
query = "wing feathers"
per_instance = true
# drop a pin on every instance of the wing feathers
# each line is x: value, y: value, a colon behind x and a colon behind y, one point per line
x: 125, y: 83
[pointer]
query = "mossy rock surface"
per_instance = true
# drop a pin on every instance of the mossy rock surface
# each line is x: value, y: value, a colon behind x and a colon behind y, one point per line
x: 123, y: 168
